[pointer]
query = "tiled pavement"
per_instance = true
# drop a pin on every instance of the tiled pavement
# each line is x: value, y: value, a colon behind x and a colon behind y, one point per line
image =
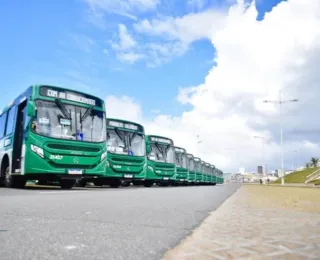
x: 244, y: 229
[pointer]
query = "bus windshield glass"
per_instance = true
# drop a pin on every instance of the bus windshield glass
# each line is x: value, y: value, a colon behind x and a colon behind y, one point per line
x: 181, y: 160
x: 197, y: 165
x: 64, y: 121
x: 162, y: 153
x: 190, y: 164
x: 125, y: 142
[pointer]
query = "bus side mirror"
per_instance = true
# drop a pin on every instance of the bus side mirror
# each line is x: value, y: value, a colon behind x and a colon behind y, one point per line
x: 31, y: 109
x: 148, y: 149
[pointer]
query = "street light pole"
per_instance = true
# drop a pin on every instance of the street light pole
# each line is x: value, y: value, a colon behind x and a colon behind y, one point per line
x: 280, y: 102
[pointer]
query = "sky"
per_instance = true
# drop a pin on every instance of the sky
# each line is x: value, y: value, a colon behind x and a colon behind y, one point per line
x: 191, y: 70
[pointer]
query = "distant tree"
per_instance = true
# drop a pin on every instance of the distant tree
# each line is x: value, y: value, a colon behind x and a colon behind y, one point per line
x: 314, y: 162
x: 307, y: 165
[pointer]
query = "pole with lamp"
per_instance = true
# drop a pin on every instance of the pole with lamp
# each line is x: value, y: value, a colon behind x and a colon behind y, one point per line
x: 280, y: 102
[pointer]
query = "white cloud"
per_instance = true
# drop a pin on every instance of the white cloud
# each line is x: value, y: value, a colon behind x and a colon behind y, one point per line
x: 129, y: 57
x: 127, y: 8
x: 254, y: 60
x: 187, y: 29
x: 125, y: 39
x: 123, y: 107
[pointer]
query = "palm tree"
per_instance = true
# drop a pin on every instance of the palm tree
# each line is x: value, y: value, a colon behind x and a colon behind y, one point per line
x: 314, y: 162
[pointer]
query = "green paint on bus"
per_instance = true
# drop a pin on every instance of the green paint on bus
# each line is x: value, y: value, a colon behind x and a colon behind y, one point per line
x: 50, y: 134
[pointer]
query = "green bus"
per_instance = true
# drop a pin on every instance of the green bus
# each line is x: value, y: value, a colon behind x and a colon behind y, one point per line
x: 219, y: 176
x: 213, y: 175
x: 161, y: 168
x: 181, y: 165
x: 198, y: 171
x: 126, y: 158
x: 208, y: 174
x: 191, y: 169
x: 203, y: 168
x: 52, y: 134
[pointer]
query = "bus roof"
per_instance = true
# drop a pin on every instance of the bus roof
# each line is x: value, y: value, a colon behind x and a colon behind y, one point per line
x: 180, y: 149
x: 29, y: 91
x: 158, y: 138
x: 126, y: 124
x: 63, y: 88
x: 50, y: 91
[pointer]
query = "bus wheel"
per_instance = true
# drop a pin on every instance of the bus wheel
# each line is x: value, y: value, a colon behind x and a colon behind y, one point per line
x: 81, y: 183
x: 125, y: 183
x: 148, y: 184
x: 13, y: 181
x: 67, y: 184
x: 115, y: 184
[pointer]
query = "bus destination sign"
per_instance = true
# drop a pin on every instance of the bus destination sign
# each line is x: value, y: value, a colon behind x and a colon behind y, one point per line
x: 67, y: 95
x: 179, y: 150
x: 130, y: 126
x: 160, y: 140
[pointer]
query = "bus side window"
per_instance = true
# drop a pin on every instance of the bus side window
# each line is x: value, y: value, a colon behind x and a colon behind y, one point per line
x: 2, y: 124
x: 11, y: 120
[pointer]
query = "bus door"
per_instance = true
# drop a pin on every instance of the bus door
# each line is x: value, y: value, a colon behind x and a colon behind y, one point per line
x: 18, y: 137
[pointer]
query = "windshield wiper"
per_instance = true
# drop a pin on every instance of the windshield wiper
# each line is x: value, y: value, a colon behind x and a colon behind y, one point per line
x: 131, y: 138
x: 85, y: 115
x: 163, y: 150
x: 62, y: 109
x: 122, y: 138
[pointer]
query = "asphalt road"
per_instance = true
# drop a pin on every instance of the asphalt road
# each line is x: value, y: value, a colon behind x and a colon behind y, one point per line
x: 102, y: 223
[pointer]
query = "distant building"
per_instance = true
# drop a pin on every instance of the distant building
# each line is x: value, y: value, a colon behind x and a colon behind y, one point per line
x: 260, y: 170
x: 242, y: 170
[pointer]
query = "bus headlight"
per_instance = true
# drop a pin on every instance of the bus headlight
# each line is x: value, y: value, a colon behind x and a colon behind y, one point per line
x: 103, y: 156
x: 37, y: 150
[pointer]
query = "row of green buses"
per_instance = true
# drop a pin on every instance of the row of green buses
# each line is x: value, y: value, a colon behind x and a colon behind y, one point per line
x: 51, y: 135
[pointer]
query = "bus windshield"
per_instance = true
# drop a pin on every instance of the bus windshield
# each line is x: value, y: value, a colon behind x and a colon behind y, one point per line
x: 181, y: 160
x: 64, y: 121
x: 162, y: 153
x: 125, y: 142
x: 197, y: 166
x: 190, y: 164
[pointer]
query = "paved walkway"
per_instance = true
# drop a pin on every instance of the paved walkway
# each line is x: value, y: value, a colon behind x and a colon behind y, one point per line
x: 258, y: 223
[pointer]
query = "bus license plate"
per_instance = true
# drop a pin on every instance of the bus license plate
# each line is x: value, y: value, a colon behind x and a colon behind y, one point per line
x: 128, y: 175
x: 165, y: 178
x: 75, y: 171
x: 181, y: 180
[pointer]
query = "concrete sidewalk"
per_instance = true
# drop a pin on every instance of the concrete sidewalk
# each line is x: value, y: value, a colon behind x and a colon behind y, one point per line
x: 258, y: 222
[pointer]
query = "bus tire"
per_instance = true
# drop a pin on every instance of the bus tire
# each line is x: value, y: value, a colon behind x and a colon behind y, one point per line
x: 81, y: 183
x: 148, y: 184
x: 115, y: 184
x: 13, y: 181
x: 125, y: 183
x: 67, y: 184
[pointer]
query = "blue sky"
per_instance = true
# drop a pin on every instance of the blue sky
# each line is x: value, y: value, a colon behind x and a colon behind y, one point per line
x: 56, y: 42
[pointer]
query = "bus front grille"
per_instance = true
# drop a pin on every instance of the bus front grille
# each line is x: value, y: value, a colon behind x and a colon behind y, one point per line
x: 72, y: 166
x: 73, y: 148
